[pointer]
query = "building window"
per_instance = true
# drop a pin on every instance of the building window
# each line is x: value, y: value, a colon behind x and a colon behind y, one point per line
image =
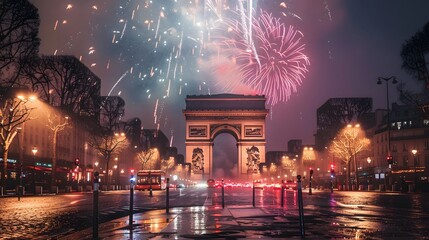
x: 404, y: 147
x: 399, y: 126
x: 405, y: 161
x: 417, y: 161
x: 394, y: 148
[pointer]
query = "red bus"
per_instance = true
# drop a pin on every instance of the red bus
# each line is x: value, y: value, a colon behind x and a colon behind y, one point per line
x: 150, y: 178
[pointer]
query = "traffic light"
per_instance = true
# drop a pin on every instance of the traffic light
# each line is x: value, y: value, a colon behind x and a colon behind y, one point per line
x: 76, y: 161
x: 132, y: 178
x: 389, y: 159
x: 332, y: 171
x: 311, y: 171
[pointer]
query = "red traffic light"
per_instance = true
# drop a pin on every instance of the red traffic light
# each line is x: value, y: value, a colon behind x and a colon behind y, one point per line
x: 389, y: 159
x: 132, y: 171
x: 76, y: 161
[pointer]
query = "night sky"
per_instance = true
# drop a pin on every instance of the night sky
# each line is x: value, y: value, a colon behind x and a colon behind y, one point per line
x: 154, y: 53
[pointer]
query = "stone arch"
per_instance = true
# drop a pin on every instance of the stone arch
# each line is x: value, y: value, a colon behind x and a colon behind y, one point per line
x: 242, y: 116
x: 225, y: 128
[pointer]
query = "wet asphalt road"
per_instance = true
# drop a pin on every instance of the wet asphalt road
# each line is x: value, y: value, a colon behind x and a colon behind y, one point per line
x: 374, y: 215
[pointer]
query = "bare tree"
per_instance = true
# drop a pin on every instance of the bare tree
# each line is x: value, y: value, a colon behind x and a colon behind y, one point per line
x: 337, y: 113
x: 347, y: 144
x: 167, y: 165
x: 66, y: 83
x: 149, y: 159
x: 19, y: 26
x: 288, y: 164
x: 414, y: 55
x: 415, y: 59
x: 57, y: 122
x: 70, y: 88
x: 109, y: 139
x: 15, y: 109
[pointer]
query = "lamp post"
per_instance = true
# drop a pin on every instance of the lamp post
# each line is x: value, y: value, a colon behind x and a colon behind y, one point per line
x: 414, y: 151
x: 394, y: 81
x: 389, y: 157
x: 34, y: 150
x: 20, y: 192
x: 117, y: 168
x: 368, y: 160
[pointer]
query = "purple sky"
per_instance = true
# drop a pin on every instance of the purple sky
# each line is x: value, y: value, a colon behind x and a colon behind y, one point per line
x: 349, y: 44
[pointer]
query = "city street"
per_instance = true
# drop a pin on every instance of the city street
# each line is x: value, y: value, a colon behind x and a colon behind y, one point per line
x: 376, y: 215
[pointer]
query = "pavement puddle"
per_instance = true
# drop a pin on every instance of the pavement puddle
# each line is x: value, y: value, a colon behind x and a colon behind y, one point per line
x: 248, y: 212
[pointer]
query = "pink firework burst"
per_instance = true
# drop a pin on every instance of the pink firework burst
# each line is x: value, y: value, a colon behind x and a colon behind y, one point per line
x: 273, y: 62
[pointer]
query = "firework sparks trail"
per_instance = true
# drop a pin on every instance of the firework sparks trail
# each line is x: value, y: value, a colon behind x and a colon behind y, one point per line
x: 247, y: 26
x: 123, y: 29
x: 117, y: 82
x: 283, y: 63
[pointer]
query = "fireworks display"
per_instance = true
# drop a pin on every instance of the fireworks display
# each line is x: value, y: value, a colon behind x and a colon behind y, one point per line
x: 156, y: 52
x: 272, y: 63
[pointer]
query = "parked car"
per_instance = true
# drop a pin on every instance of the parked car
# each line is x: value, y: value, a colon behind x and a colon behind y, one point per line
x: 290, y: 185
x: 259, y: 184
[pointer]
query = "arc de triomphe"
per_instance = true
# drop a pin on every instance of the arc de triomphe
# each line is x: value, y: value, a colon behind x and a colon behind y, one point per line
x: 242, y: 116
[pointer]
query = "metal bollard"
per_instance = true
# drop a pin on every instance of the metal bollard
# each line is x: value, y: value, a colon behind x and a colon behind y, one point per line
x: 130, y: 219
x: 167, y: 199
x: 282, y: 196
x: 95, y: 207
x: 20, y: 192
x: 223, y: 195
x: 150, y: 185
x: 253, y: 194
x: 311, y: 179
x: 300, y: 207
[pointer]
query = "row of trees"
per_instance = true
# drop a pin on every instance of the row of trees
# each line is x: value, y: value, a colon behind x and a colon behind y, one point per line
x: 345, y: 140
x: 19, y: 25
x: 66, y: 85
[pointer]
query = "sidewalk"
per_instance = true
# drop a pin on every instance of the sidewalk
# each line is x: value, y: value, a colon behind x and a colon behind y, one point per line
x: 213, y: 222
x: 198, y: 222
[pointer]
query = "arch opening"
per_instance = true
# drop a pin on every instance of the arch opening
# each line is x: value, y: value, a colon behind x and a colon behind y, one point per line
x: 225, y: 157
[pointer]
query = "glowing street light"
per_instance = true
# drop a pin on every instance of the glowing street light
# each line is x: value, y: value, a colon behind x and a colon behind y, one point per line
x: 414, y: 152
x: 34, y: 150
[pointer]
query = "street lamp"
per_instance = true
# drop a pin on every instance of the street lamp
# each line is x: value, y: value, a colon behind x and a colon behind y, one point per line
x: 18, y: 131
x: 394, y: 81
x: 34, y: 150
x: 117, y: 168
x: 369, y: 161
x: 414, y: 151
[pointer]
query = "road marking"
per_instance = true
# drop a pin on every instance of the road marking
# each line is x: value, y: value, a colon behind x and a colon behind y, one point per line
x: 208, y: 201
